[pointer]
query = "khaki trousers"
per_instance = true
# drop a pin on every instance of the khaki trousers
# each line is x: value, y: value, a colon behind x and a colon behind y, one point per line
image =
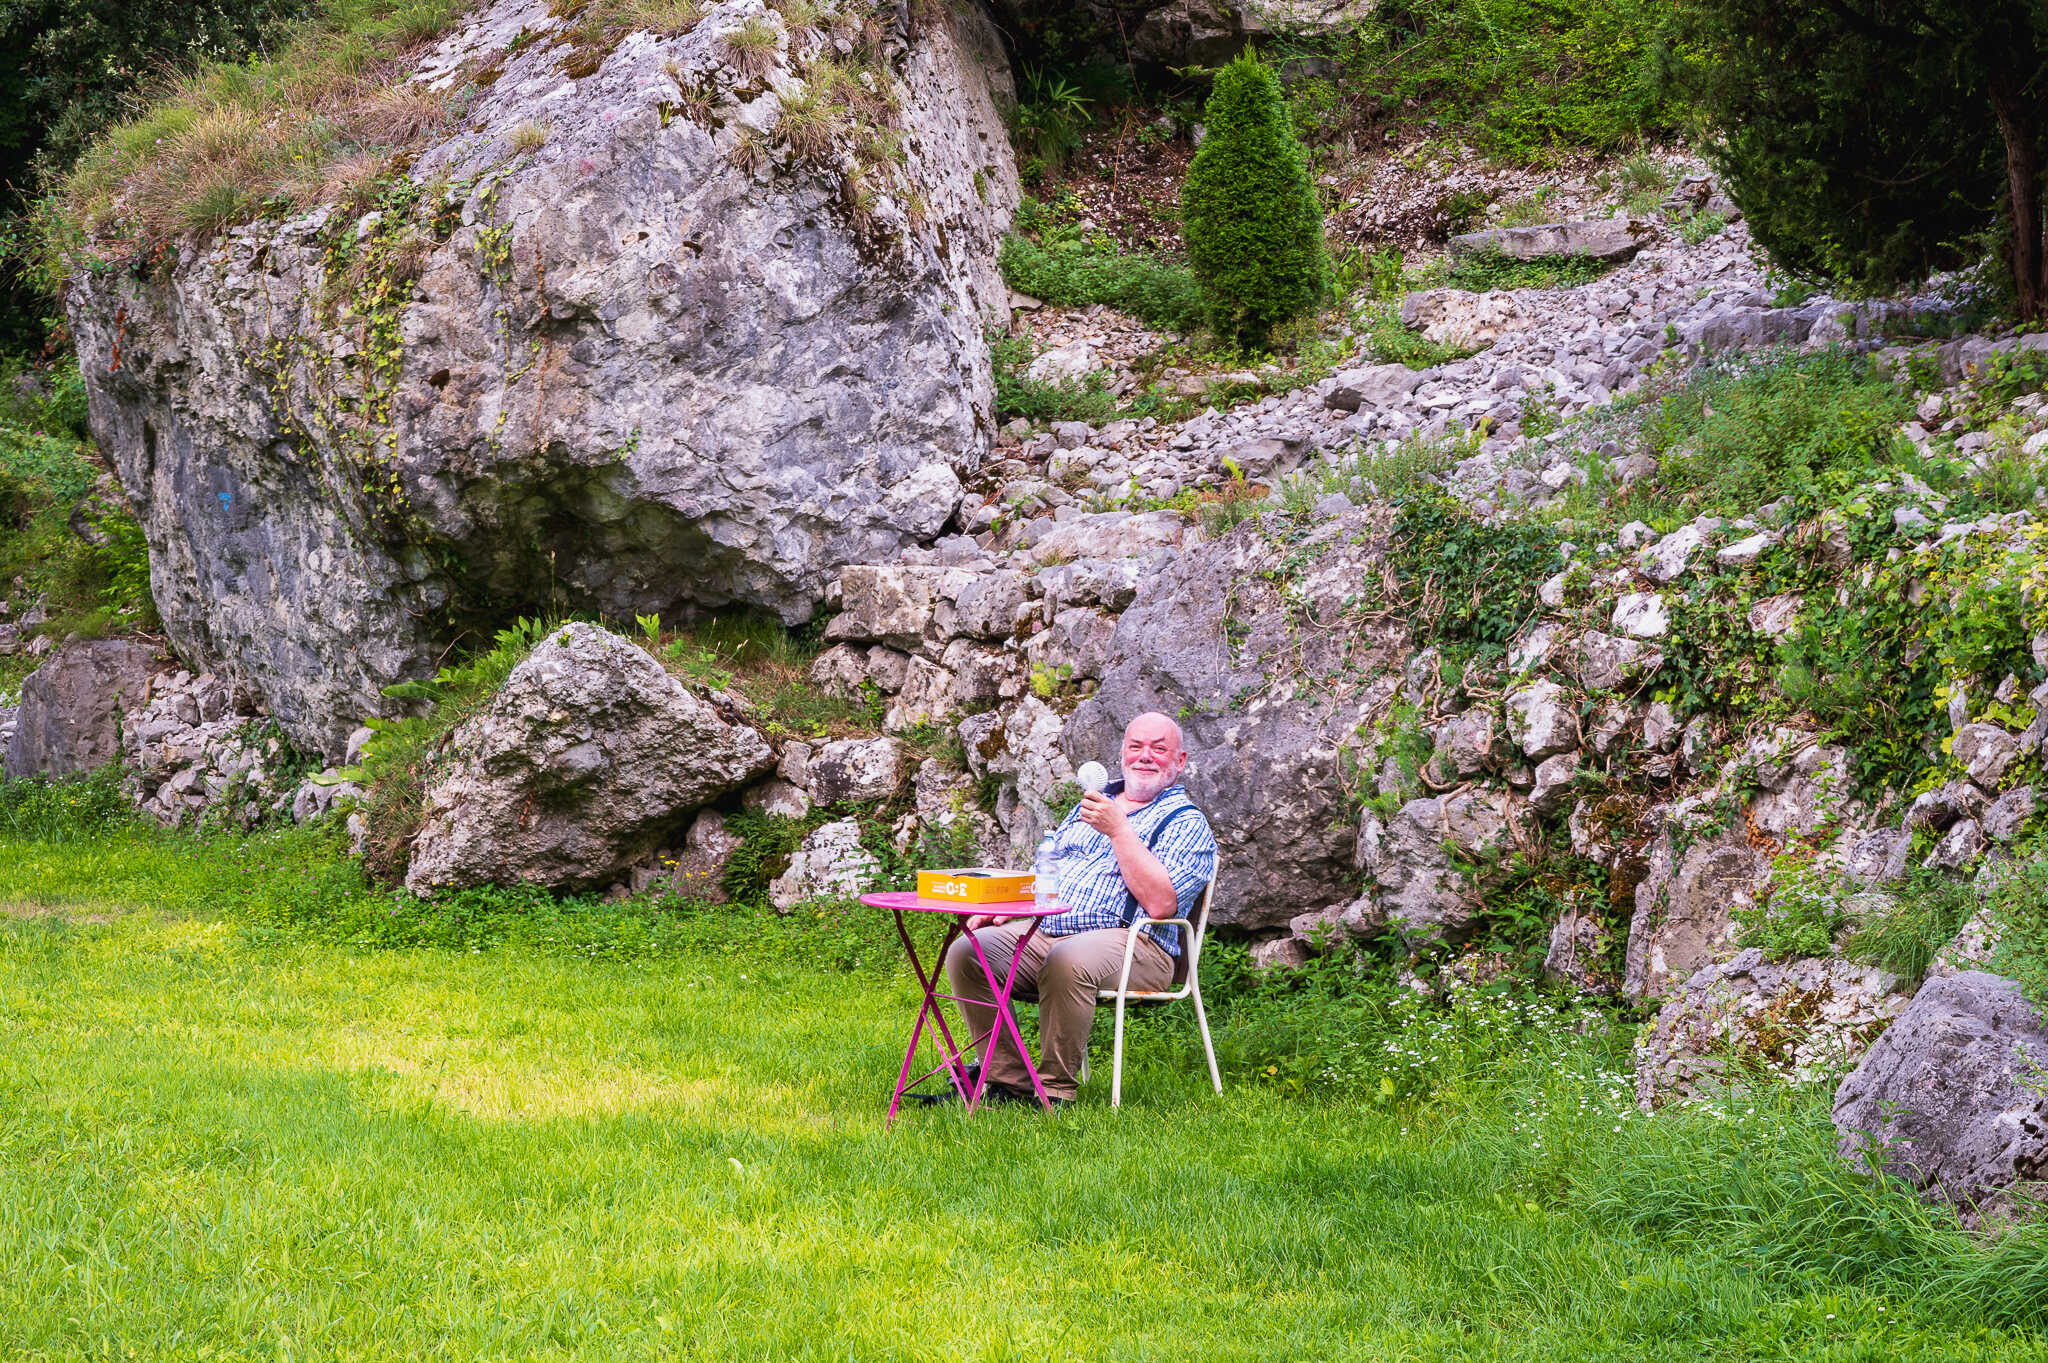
x: 1064, y: 972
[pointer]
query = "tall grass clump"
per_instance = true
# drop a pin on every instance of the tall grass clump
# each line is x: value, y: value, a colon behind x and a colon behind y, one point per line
x: 314, y: 122
x: 1249, y: 212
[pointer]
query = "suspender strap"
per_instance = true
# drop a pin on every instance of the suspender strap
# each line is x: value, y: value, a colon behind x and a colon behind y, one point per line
x: 1131, y: 906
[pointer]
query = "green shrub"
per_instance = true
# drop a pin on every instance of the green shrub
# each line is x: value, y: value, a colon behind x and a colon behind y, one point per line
x: 1249, y: 211
x: 1799, y: 918
x: 1074, y: 272
x: 1470, y: 582
x: 1913, y: 919
x: 1486, y: 270
x: 1527, y: 79
x: 1752, y: 428
x: 71, y: 809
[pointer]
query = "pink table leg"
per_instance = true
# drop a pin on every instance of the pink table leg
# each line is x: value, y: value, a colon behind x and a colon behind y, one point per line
x: 1005, y: 1017
x: 952, y: 1060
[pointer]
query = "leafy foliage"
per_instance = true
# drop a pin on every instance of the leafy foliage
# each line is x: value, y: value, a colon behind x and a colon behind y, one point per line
x: 1249, y: 212
x: 1048, y: 257
x: 1527, y: 79
x: 1470, y: 582
x: 1863, y: 139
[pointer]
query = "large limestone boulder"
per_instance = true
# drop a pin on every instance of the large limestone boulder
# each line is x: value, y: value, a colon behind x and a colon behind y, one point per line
x: 1603, y: 239
x: 584, y: 762
x: 1952, y: 1098
x: 1268, y: 651
x: 1806, y: 1020
x: 72, y: 706
x: 659, y: 362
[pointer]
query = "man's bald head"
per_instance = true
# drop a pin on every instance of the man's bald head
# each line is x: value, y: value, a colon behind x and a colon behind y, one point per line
x: 1154, y: 755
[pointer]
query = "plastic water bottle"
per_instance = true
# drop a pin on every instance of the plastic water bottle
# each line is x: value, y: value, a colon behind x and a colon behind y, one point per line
x: 1045, y: 887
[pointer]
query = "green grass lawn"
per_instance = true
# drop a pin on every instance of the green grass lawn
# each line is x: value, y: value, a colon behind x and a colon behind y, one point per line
x: 223, y: 1144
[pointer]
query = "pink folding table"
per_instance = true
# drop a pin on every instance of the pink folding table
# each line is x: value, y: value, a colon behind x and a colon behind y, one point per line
x: 951, y: 1058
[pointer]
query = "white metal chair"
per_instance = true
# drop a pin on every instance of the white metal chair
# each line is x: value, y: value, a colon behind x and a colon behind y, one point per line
x: 1187, y: 983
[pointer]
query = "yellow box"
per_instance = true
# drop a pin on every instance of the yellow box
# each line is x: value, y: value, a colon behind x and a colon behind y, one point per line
x: 975, y: 885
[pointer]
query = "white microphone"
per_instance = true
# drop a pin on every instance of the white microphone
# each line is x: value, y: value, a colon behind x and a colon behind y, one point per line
x: 1093, y: 777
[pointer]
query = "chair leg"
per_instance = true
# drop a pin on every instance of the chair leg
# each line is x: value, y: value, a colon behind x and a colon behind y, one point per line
x: 1116, y: 1062
x: 1208, y: 1047
x: 1084, y: 1067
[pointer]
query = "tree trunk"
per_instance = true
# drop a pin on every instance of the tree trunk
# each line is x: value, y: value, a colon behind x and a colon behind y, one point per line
x: 2022, y: 133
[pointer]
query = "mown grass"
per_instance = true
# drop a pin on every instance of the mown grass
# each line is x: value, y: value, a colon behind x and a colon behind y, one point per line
x: 268, y: 1145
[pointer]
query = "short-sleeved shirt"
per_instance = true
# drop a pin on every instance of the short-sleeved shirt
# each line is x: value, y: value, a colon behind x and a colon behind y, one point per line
x: 1090, y: 879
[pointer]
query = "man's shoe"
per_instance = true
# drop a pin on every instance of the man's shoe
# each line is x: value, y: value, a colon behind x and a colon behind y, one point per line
x: 1003, y: 1093
x: 947, y: 1094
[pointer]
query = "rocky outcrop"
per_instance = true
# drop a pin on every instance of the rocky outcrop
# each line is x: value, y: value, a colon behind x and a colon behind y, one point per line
x: 830, y: 863
x: 1269, y: 654
x: 1211, y: 32
x: 73, y: 706
x: 1954, y: 1097
x: 659, y: 361
x: 587, y: 757
x: 1804, y: 1020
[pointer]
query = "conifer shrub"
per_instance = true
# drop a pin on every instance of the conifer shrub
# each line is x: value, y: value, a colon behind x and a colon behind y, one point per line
x: 1254, y: 229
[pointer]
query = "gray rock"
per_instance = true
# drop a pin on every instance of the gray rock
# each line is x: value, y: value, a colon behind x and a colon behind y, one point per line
x: 1959, y: 848
x: 1578, y: 954
x: 587, y: 757
x: 1807, y: 1020
x: 1609, y: 661
x: 1878, y: 857
x: 1020, y: 745
x: 1267, y: 705
x: 1642, y: 615
x: 777, y: 798
x: 1374, y: 386
x: 1281, y: 953
x: 1409, y: 860
x: 1682, y: 919
x: 699, y: 870
x: 1553, y: 782
x: 1465, y: 745
x: 71, y: 710
x: 857, y: 771
x: 1972, y: 948
x: 1986, y: 751
x: 629, y: 371
x: 1605, y: 239
x: 1670, y: 558
x: 1541, y: 720
x: 1950, y: 1098
x: 2008, y: 814
x: 831, y: 863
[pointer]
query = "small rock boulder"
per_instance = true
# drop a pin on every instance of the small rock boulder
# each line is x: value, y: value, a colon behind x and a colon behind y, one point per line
x: 1950, y: 1098
x: 831, y: 863
x: 586, y: 759
x: 856, y: 770
x: 1805, y: 1019
x: 1542, y: 721
x: 1603, y: 239
x: 69, y: 719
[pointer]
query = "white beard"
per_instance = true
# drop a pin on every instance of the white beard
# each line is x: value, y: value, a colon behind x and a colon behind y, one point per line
x: 1144, y: 787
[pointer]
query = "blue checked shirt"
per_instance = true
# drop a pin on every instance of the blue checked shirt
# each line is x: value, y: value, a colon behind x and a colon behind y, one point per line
x: 1090, y: 880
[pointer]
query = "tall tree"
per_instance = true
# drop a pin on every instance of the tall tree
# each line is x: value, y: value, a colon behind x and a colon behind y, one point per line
x: 1878, y: 140
x: 1249, y: 213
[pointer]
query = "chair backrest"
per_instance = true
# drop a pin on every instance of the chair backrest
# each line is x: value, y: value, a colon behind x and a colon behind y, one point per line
x: 1190, y: 957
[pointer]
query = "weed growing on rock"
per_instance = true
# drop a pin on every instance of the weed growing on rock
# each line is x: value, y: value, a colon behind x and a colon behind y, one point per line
x: 1901, y: 927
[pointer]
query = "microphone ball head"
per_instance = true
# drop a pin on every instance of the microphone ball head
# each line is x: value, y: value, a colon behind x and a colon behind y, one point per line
x: 1092, y: 777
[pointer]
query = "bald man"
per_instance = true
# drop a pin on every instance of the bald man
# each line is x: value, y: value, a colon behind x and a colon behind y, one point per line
x: 1137, y: 850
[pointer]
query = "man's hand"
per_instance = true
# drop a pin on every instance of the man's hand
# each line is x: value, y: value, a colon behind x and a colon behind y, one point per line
x: 977, y: 921
x: 1102, y: 814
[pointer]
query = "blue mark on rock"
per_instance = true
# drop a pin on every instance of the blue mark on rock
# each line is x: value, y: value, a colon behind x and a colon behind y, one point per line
x: 225, y: 498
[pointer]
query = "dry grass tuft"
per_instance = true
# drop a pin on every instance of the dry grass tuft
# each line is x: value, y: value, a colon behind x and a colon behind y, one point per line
x: 529, y: 137
x: 228, y: 141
